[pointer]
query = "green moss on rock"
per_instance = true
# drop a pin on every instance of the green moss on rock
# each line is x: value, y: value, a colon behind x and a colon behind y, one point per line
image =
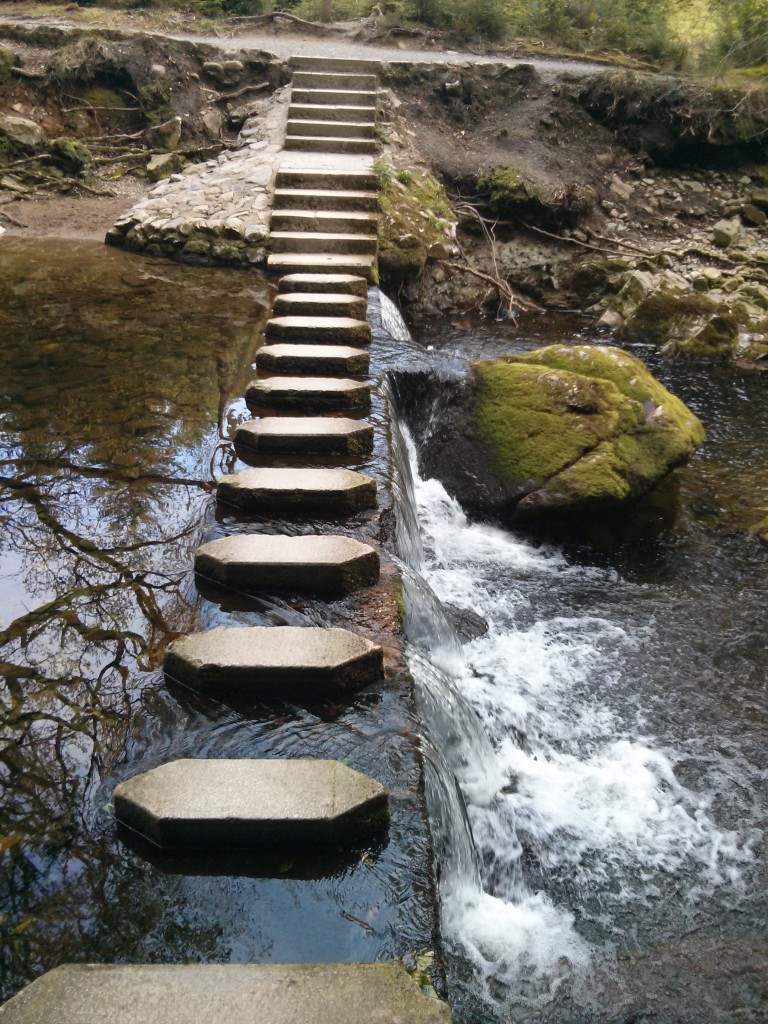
x: 417, y: 225
x: 717, y: 339
x: 761, y: 530
x: 580, y: 425
x: 7, y: 61
x: 73, y: 156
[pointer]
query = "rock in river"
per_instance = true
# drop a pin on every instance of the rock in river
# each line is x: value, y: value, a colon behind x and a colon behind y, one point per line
x: 567, y: 427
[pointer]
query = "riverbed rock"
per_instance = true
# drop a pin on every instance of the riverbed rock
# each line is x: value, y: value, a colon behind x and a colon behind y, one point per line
x: 726, y: 232
x: 22, y: 132
x: 564, y: 428
x: 162, y: 165
x: 760, y: 530
x: 717, y: 339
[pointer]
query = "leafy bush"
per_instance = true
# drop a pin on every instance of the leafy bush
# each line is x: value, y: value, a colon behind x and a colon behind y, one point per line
x: 741, y: 34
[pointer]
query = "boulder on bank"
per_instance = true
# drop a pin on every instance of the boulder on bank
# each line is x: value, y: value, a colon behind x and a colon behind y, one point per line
x: 567, y: 427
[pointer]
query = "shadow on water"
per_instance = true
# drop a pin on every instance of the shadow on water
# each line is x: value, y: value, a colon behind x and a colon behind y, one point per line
x: 121, y: 378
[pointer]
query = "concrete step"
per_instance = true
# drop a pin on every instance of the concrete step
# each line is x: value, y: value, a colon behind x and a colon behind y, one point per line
x: 331, y: 112
x: 336, y: 221
x: 347, y: 129
x: 226, y: 994
x: 298, y: 491
x: 324, y: 241
x: 322, y: 304
x: 325, y: 360
x: 326, y: 97
x: 326, y: 144
x: 220, y: 803
x: 319, y: 283
x: 325, y: 178
x: 328, y: 330
x: 294, y: 565
x: 336, y: 64
x: 306, y: 435
x: 334, y: 80
x: 325, y: 199
x: 308, y: 394
x: 315, y: 263
x: 274, y: 661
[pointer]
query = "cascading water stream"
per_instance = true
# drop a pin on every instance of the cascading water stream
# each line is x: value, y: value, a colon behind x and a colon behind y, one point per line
x: 554, y: 817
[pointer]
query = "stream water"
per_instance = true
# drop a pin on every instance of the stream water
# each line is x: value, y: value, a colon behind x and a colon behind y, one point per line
x: 595, y: 705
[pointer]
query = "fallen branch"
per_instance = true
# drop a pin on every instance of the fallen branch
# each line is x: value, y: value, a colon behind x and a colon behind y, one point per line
x: 23, y: 73
x: 502, y: 287
x: 241, y: 92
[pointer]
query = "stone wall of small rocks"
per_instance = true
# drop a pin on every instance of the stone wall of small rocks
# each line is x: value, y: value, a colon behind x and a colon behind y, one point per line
x: 217, y: 211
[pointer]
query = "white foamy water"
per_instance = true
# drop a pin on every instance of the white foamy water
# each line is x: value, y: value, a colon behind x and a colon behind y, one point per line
x: 560, y: 783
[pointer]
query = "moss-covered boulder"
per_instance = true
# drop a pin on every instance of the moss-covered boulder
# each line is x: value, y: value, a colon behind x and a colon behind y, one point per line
x: 717, y: 339
x: 71, y: 154
x: 7, y: 62
x: 567, y: 427
x: 760, y: 530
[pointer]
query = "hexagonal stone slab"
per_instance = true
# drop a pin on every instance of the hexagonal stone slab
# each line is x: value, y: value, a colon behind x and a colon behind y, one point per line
x: 322, y: 304
x: 324, y: 360
x: 290, y: 491
x: 347, y: 283
x: 225, y: 994
x: 321, y: 330
x: 274, y: 661
x: 193, y: 804
x: 308, y: 393
x: 306, y: 435
x: 312, y: 564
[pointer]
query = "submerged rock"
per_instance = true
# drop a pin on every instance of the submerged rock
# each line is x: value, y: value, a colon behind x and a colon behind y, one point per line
x: 566, y: 427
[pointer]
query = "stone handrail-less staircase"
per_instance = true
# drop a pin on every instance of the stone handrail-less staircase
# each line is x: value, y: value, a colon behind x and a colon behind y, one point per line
x: 309, y: 397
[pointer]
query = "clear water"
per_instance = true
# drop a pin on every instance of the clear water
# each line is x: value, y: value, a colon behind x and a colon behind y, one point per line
x: 606, y: 725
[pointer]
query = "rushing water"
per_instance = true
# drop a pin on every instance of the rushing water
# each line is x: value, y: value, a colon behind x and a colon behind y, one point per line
x: 599, y: 797
x: 121, y: 379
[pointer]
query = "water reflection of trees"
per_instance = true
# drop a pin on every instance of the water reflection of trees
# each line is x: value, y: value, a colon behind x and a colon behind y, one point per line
x: 116, y: 374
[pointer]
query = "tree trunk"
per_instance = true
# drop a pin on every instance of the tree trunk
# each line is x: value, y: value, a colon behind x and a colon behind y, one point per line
x: 325, y: 10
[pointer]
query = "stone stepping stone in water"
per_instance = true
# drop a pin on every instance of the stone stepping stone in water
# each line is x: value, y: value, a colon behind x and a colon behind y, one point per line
x: 321, y: 359
x: 321, y: 262
x: 281, y: 491
x: 225, y: 994
x: 282, y: 662
x: 313, y: 564
x: 192, y: 804
x: 310, y: 393
x: 323, y: 241
x: 328, y: 330
x: 306, y: 435
x: 320, y: 304
x: 349, y: 284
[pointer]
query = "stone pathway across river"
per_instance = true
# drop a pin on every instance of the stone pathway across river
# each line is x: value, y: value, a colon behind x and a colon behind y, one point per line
x: 323, y: 246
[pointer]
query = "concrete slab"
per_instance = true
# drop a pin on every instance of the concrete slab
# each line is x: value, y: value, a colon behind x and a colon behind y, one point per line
x: 347, y: 129
x: 334, y: 80
x: 315, y: 564
x: 274, y: 661
x: 328, y: 330
x: 324, y: 360
x: 306, y: 435
x: 324, y: 304
x: 322, y: 241
x: 330, y: 144
x: 349, y: 97
x: 318, y: 172
x: 331, y: 112
x: 325, y: 199
x: 354, y: 65
x: 314, y: 283
x: 303, y: 491
x: 332, y: 221
x: 225, y: 994
x: 311, y: 394
x: 319, y: 262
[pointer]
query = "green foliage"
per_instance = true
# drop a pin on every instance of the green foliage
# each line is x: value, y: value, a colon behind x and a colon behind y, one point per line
x: 741, y: 33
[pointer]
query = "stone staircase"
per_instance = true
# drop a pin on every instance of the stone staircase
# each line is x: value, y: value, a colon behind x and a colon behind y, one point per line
x: 315, y: 361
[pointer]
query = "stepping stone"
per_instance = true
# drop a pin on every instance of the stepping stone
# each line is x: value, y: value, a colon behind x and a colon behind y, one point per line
x: 336, y: 64
x: 322, y: 178
x: 314, y: 283
x: 339, y: 221
x: 325, y: 360
x: 322, y: 241
x: 314, y: 564
x: 306, y: 435
x: 274, y: 661
x: 331, y: 112
x: 347, y: 129
x: 325, y: 199
x: 334, y: 80
x: 226, y: 994
x: 310, y: 393
x: 319, y: 262
x: 325, y: 304
x: 349, y: 97
x: 327, y: 330
x: 328, y: 144
x: 279, y: 491
x: 255, y: 803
